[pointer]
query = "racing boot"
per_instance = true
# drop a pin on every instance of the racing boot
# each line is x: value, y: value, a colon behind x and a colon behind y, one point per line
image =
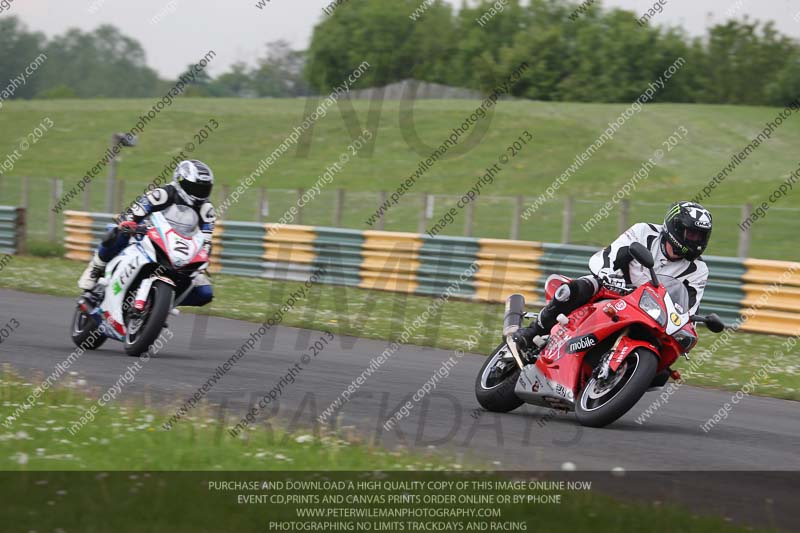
x: 530, y: 341
x: 93, y: 272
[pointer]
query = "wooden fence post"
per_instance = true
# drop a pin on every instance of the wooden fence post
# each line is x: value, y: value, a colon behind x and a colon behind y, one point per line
x: 566, y: 228
x: 381, y: 219
x: 423, y: 213
x: 469, y: 215
x: 744, y: 234
x: 624, y: 212
x: 260, y: 206
x: 300, y: 193
x: 337, y: 208
x: 51, y: 213
x: 519, y: 201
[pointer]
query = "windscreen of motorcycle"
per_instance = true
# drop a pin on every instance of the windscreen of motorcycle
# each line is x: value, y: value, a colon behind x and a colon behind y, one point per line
x: 677, y: 301
x: 183, y: 219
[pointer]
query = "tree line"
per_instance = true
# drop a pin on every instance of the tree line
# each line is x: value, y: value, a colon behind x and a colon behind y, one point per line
x: 604, y: 55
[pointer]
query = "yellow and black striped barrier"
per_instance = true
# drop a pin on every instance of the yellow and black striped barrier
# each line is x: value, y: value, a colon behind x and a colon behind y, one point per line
x: 764, y: 294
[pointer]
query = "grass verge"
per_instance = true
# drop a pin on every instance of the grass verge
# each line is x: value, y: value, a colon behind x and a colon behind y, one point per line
x: 251, y: 129
x: 382, y: 315
x: 124, y: 438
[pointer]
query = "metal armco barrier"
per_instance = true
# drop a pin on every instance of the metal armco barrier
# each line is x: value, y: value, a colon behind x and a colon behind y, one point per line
x: 767, y: 293
x: 12, y: 230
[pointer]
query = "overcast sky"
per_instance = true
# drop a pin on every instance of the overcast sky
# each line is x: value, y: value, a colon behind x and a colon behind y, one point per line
x: 175, y: 33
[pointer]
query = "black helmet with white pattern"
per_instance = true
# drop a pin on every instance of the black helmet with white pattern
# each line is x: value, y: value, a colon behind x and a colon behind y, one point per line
x: 687, y: 227
x: 194, y: 179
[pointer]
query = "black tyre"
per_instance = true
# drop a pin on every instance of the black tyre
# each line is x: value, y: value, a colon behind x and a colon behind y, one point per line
x: 602, y: 402
x: 86, y: 334
x: 494, y: 387
x: 143, y: 330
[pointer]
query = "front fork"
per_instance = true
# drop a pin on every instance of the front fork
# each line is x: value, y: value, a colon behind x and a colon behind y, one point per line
x: 605, y: 365
x: 140, y: 301
x: 142, y: 293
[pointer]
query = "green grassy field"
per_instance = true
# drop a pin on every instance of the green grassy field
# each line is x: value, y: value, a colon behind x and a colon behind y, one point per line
x: 127, y: 438
x: 251, y: 129
x: 383, y: 315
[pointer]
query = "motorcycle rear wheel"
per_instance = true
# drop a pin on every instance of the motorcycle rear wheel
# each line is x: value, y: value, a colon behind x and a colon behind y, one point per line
x: 494, y: 387
x: 140, y: 336
x: 601, y: 403
x: 85, y: 331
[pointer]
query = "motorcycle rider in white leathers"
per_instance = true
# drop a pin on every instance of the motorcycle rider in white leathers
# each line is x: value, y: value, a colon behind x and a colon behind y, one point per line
x: 676, y: 246
x: 191, y: 186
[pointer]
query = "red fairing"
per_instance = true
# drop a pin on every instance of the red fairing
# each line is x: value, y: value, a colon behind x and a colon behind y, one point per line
x: 155, y: 238
x: 627, y: 345
x: 117, y: 326
x: 201, y: 257
x: 602, y: 319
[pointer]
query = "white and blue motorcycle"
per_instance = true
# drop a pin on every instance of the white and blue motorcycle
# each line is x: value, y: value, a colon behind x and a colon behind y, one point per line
x: 143, y: 284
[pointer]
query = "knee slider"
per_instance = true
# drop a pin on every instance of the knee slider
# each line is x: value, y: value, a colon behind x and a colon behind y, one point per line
x: 562, y: 294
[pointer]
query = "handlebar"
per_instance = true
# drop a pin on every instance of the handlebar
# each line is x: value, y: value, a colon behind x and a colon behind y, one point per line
x: 141, y: 229
x: 619, y: 290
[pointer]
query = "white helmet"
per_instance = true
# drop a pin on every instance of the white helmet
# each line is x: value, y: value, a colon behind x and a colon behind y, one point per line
x: 194, y: 179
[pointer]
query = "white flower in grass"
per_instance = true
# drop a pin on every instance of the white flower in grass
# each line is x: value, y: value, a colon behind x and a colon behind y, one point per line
x: 20, y: 458
x: 22, y: 435
x: 281, y: 457
x: 304, y: 438
x: 39, y: 451
x: 149, y: 418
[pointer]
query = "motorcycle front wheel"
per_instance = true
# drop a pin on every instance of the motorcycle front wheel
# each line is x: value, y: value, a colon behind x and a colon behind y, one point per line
x: 85, y: 332
x: 494, y: 387
x: 601, y: 402
x: 142, y: 329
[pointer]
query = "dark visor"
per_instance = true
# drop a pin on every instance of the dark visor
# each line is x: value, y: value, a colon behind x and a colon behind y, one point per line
x: 198, y: 190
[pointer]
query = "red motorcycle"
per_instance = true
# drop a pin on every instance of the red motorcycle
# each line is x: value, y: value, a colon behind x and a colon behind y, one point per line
x: 601, y: 359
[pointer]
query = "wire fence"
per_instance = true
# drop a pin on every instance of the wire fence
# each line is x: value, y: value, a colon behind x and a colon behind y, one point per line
x: 561, y: 220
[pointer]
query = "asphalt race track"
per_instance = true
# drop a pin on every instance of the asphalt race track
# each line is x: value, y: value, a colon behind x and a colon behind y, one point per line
x: 761, y: 434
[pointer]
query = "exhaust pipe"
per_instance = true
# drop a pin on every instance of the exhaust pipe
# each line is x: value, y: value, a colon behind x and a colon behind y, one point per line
x: 515, y: 313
